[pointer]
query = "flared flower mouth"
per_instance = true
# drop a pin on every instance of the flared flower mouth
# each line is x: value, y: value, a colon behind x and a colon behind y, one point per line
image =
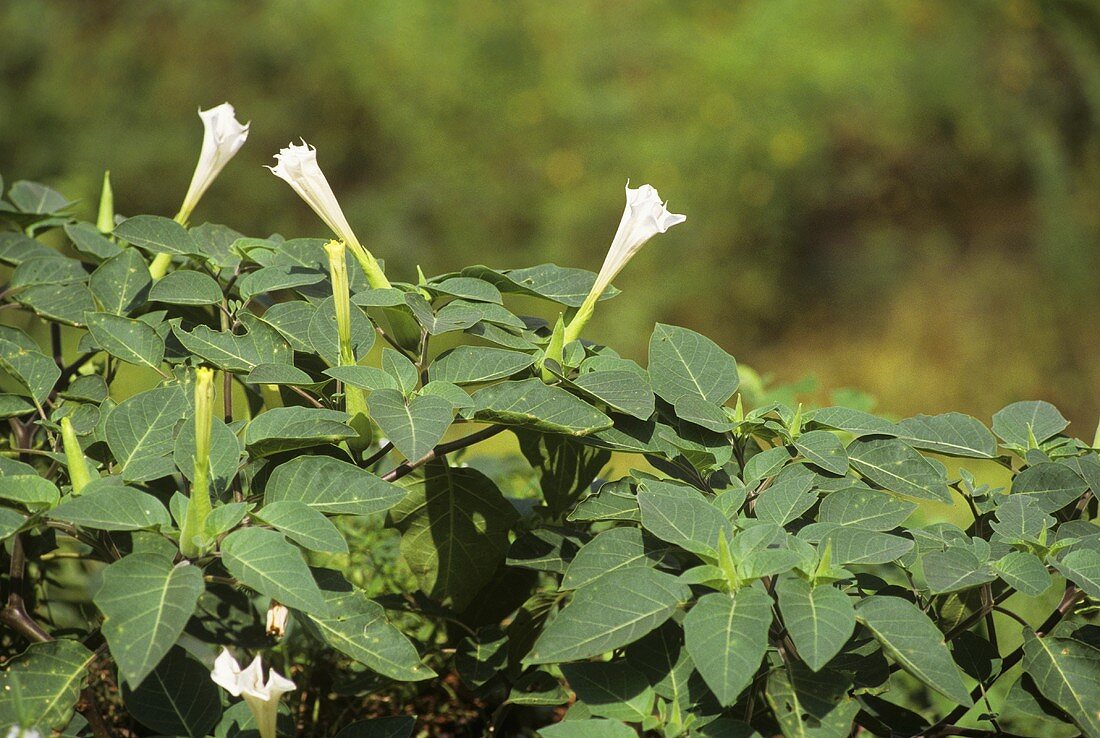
x: 296, y: 164
x: 644, y: 216
x: 249, y: 682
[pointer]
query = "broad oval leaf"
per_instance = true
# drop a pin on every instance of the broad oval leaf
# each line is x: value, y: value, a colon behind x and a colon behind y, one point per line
x: 146, y: 602
x: 106, y: 505
x: 820, y: 619
x: 683, y: 362
x: 951, y: 434
x: 894, y: 465
x: 610, y: 613
x: 40, y: 687
x: 915, y: 643
x: 263, y: 560
x: 332, y: 486
x: 727, y: 636
x: 532, y: 404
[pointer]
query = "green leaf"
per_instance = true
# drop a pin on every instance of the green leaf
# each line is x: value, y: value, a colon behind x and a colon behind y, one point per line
x: 820, y: 620
x: 912, y: 640
x: 277, y: 277
x: 35, y: 371
x: 538, y: 688
x: 278, y: 374
x: 679, y: 514
x: 403, y: 371
x: 132, y: 341
x: 146, y: 602
x: 727, y: 636
x: 10, y: 522
x: 29, y: 490
x: 415, y: 426
x: 291, y: 320
x: 37, y: 199
x: 869, y: 509
x: 1020, y: 519
x: 1067, y: 672
x: 259, y: 344
x: 1024, y: 571
x: 452, y: 317
x: 532, y: 404
x: 1020, y: 421
x: 88, y: 240
x: 332, y: 486
x: 225, y: 453
x: 157, y: 235
x: 64, y: 303
x: 824, y: 450
x: 589, y: 728
x: 683, y: 362
x: 954, y: 570
x: 1082, y: 567
x: 15, y: 248
x: 303, y: 525
x: 289, y: 428
x: 186, y: 287
x: 856, y: 422
x: 473, y: 364
x: 121, y: 284
x: 625, y: 391
x: 611, y: 550
x: 13, y: 406
x: 858, y: 546
x: 365, y: 377
x: 564, y: 285
x: 611, y: 689
x: 1052, y: 486
x: 178, y: 698
x: 565, y: 467
x: 469, y: 288
x: 787, y: 498
x: 951, y: 434
x: 141, y: 432
x: 454, y: 527
x: 40, y: 687
x: 811, y: 705
x: 895, y: 466
x: 263, y: 560
x: 358, y: 627
x: 55, y: 269
x: 106, y: 505
x: 324, y: 338
x: 613, y: 611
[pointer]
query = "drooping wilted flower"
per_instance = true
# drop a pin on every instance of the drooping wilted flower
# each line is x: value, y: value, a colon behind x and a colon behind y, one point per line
x: 262, y: 697
x: 223, y: 136
x: 643, y: 218
x: 277, y: 614
x: 297, y: 165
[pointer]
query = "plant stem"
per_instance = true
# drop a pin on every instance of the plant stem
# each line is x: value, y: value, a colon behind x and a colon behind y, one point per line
x: 442, y: 450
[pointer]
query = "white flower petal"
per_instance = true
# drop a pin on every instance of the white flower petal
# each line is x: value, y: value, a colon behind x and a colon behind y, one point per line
x: 643, y: 218
x: 227, y: 672
x: 223, y: 136
x: 297, y: 166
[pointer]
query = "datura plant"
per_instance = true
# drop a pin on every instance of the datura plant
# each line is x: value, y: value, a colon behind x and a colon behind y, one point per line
x: 413, y: 511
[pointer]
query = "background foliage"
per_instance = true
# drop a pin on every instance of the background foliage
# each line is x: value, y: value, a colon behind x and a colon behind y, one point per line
x: 872, y: 186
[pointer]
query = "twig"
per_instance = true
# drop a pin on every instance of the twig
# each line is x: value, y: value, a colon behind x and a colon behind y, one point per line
x: 442, y: 450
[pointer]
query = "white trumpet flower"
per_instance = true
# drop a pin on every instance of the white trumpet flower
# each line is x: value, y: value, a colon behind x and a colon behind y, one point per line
x: 643, y: 218
x: 262, y: 698
x: 297, y: 165
x: 223, y: 136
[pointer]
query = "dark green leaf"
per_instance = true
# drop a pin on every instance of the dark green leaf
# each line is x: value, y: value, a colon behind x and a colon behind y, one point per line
x: 952, y: 434
x: 535, y: 405
x: 613, y: 611
x: 186, y: 287
x: 332, y: 486
x: 289, y: 428
x: 892, y: 464
x: 41, y: 686
x: 727, y: 636
x: 106, y: 505
x: 122, y: 283
x: 1020, y: 421
x: 414, y: 426
x: 132, y: 341
x: 146, y: 601
x: 263, y: 560
x: 454, y: 525
x: 157, y: 235
x: 820, y: 619
x: 178, y: 698
x: 304, y: 525
x: 472, y: 364
x: 682, y: 362
x: 915, y: 643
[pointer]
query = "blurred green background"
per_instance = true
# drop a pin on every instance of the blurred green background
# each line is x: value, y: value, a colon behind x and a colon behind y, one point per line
x: 897, y: 195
